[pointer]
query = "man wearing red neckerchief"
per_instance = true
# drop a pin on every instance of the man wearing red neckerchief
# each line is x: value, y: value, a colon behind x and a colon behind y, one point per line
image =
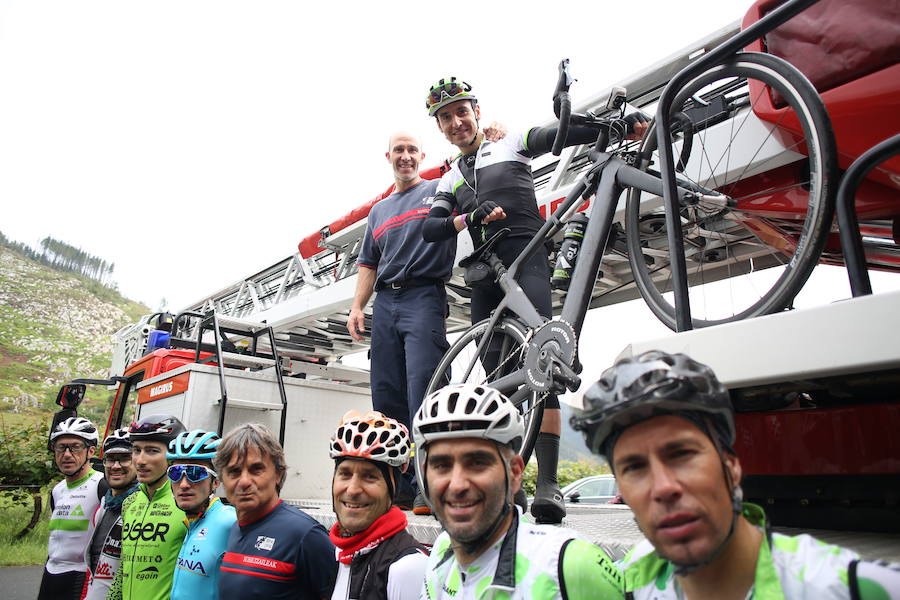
x: 377, y: 558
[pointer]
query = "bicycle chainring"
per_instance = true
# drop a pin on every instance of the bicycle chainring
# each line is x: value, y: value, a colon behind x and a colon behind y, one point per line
x: 554, y: 336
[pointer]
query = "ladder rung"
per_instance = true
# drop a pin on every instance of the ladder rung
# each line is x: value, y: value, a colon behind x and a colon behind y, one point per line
x: 251, y: 404
x: 245, y: 360
x: 240, y: 324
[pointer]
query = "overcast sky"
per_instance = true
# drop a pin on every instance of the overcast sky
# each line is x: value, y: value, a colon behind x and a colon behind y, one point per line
x: 195, y: 143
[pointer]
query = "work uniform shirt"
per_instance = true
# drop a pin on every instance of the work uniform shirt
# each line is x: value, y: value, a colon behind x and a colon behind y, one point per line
x: 283, y: 554
x: 393, y: 243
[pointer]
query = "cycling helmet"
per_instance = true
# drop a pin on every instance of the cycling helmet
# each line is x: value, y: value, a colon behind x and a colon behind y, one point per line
x: 197, y: 444
x: 155, y: 428
x: 648, y: 385
x: 77, y: 426
x: 372, y: 436
x: 117, y: 441
x: 447, y: 91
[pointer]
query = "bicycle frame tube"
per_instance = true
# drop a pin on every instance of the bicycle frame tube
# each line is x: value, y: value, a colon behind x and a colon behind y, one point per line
x: 714, y: 57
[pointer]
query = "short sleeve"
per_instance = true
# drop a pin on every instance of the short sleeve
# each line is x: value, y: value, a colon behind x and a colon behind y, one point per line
x: 317, y: 561
x: 369, y: 253
x: 586, y: 572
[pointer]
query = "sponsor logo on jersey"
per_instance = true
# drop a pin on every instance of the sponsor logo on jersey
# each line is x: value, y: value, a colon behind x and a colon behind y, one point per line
x: 148, y: 532
x: 202, y: 533
x: 104, y: 571
x: 148, y: 573
x: 194, y: 566
x: 429, y: 200
x: 264, y: 543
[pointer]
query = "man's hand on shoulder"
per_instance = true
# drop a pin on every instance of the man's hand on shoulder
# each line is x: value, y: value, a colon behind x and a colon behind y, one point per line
x: 495, y: 131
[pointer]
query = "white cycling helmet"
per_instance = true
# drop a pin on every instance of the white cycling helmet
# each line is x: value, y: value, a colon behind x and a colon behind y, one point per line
x: 79, y: 427
x: 465, y: 410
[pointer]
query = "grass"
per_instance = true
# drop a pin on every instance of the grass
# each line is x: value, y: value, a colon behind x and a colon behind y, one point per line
x: 31, y: 549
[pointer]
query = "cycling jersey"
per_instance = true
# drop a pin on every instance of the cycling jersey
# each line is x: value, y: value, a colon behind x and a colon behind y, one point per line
x: 105, y: 550
x: 787, y: 567
x: 197, y: 572
x: 540, y: 562
x: 72, y: 504
x: 283, y: 554
x: 152, y: 532
x: 391, y: 570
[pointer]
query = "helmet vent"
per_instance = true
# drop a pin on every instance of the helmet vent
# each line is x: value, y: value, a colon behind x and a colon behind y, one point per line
x: 451, y: 402
x: 470, y: 406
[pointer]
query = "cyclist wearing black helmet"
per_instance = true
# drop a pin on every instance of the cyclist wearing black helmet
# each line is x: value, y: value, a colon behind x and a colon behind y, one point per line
x: 209, y: 522
x: 104, y: 552
x: 152, y: 524
x: 488, y: 188
x: 665, y: 424
x: 72, y: 503
x: 466, y: 439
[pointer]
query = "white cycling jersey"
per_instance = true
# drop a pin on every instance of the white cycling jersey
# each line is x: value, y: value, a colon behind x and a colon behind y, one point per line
x: 73, y: 505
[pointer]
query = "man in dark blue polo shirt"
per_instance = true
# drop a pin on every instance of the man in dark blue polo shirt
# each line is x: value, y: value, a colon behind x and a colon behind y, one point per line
x: 408, y: 316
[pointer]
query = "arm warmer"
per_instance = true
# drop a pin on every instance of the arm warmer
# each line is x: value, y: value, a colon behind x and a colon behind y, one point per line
x: 439, y: 224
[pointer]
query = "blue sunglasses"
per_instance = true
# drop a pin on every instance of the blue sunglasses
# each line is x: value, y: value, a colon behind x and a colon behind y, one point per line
x: 195, y: 473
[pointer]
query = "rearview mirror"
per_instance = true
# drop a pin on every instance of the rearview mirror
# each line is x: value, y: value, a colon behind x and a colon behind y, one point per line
x: 71, y: 395
x: 574, y: 496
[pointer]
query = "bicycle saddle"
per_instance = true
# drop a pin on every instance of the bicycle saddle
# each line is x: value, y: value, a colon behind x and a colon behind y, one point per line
x: 481, y: 252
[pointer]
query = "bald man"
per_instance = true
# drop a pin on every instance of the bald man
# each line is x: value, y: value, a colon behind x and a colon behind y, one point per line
x: 408, y: 316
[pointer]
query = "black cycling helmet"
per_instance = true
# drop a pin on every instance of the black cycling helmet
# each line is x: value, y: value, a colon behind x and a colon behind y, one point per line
x: 117, y: 441
x: 648, y: 385
x: 155, y: 428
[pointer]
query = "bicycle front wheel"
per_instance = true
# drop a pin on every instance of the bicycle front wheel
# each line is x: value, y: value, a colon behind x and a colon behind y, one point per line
x: 780, y: 174
x: 504, y: 354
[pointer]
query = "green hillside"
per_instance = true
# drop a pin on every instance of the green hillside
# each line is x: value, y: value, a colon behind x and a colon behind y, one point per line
x: 54, y: 326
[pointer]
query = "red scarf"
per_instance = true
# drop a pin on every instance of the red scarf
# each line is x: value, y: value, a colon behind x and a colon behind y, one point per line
x: 388, y: 524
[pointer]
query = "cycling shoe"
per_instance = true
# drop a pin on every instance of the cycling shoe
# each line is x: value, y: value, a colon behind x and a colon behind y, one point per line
x: 548, y: 505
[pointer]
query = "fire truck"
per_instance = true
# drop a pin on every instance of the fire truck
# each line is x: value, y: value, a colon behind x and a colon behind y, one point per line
x: 815, y: 389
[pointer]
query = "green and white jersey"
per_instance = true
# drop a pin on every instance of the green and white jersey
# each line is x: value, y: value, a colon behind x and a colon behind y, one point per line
x: 788, y: 567
x: 539, y: 562
x: 73, y: 505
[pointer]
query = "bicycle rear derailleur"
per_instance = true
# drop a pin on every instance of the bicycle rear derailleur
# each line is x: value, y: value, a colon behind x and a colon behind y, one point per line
x: 549, y: 357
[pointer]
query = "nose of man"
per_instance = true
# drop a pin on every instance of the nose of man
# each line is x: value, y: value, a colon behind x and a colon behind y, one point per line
x: 664, y: 485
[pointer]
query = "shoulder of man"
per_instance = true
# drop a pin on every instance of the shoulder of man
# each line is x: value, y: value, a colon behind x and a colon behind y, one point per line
x: 586, y: 571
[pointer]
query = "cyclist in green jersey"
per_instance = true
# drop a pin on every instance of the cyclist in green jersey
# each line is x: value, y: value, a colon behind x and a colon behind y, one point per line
x: 153, y: 526
x: 665, y: 424
x: 466, y: 441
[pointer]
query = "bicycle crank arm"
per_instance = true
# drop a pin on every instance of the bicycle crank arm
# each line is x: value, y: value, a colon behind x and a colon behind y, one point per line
x: 566, y: 376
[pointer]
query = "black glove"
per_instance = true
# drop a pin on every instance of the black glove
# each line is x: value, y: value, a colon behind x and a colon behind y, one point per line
x: 483, y: 210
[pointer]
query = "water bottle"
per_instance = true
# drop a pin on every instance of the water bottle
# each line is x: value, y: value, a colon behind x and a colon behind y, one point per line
x: 568, y: 251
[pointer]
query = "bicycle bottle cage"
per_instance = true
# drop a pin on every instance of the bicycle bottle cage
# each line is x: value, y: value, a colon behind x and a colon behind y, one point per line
x: 478, y: 271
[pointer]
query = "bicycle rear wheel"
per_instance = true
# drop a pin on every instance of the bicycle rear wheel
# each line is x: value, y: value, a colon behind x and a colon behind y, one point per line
x: 781, y: 175
x: 509, y: 340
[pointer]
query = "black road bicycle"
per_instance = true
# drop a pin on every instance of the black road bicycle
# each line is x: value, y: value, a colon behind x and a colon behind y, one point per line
x: 707, y: 217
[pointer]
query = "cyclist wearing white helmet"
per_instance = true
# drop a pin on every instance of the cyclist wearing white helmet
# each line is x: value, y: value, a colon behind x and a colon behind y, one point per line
x: 72, y: 503
x: 377, y: 558
x: 209, y: 522
x: 104, y: 552
x: 466, y: 439
x: 152, y: 524
x: 665, y: 424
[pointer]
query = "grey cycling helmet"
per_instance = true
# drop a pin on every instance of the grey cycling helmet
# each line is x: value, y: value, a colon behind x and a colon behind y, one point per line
x: 197, y: 444
x: 156, y: 428
x: 648, y: 385
x: 78, y: 427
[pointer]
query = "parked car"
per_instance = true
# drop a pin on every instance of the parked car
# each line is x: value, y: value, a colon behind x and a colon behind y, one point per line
x: 595, y: 489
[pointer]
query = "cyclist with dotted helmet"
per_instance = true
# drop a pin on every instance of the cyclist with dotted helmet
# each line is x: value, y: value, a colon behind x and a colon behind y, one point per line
x: 488, y: 188
x: 665, y: 425
x: 104, y: 552
x: 376, y: 556
x: 73, y: 501
x: 208, y: 521
x: 152, y: 524
x: 466, y: 440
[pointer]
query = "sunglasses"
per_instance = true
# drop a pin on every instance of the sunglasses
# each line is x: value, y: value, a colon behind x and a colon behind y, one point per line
x: 194, y: 473
x: 448, y: 90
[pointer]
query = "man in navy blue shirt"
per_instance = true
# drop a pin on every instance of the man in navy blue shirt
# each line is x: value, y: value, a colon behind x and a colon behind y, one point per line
x: 408, y: 316
x: 275, y: 551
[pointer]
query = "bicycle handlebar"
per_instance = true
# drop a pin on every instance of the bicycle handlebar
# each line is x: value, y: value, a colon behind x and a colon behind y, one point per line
x: 562, y: 106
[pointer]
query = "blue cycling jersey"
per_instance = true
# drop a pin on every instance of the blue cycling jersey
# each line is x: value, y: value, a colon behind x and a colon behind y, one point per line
x: 197, y: 570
